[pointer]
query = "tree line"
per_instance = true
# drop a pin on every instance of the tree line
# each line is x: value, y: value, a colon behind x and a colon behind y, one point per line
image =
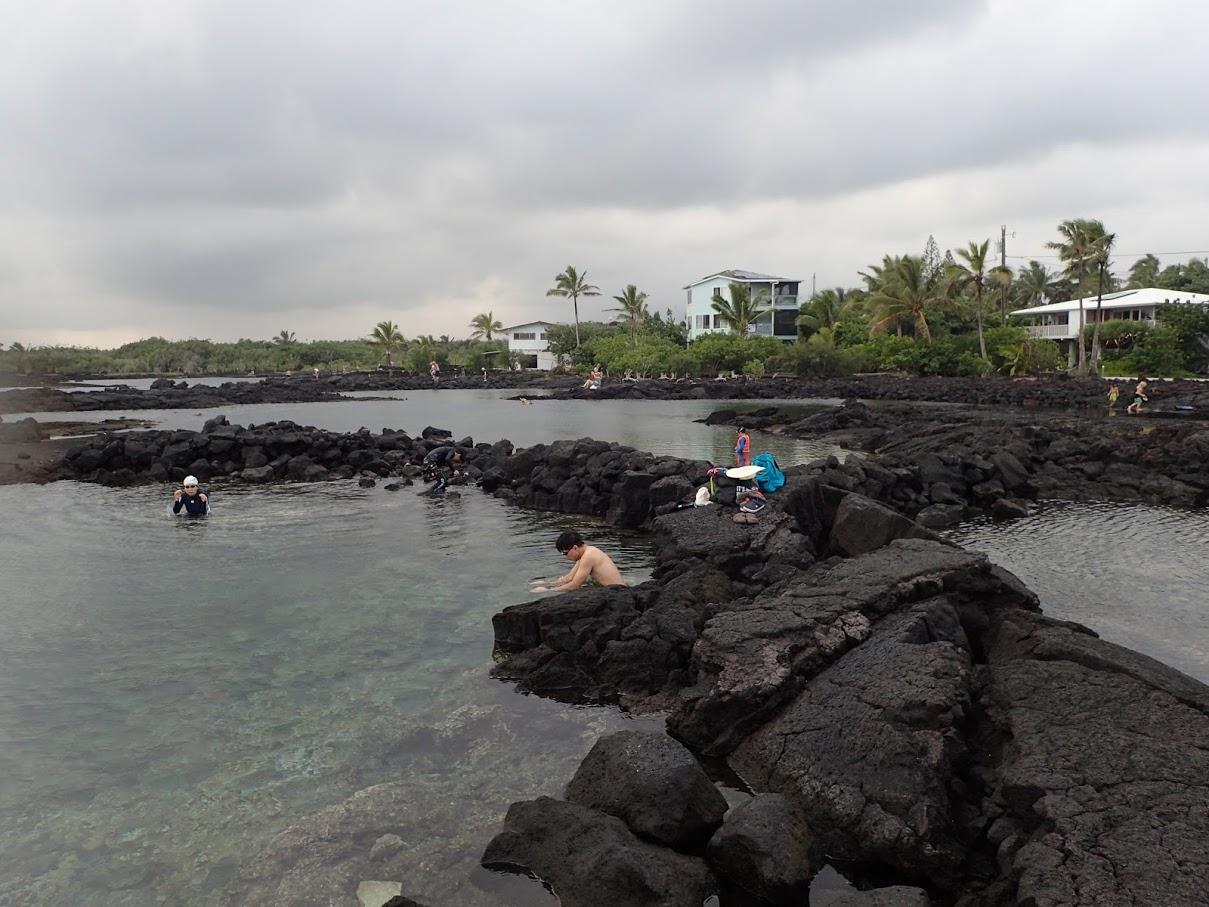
x: 927, y: 313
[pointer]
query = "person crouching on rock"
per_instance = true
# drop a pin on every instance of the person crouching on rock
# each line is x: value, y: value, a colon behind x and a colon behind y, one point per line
x: 743, y: 448
x: 590, y: 564
x: 448, y: 460
x: 190, y: 497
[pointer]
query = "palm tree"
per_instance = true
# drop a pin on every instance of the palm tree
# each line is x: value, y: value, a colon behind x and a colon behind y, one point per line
x: 1144, y: 272
x: 1033, y: 285
x: 823, y: 310
x: 878, y: 275
x: 972, y: 276
x: 570, y: 283
x: 742, y: 309
x: 904, y: 295
x: 1100, y: 256
x: 631, y: 309
x: 1077, y: 249
x: 386, y: 335
x: 285, y: 338
x: 485, y: 325
x: 16, y: 347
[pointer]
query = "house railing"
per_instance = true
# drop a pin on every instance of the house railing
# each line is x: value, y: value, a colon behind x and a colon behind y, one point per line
x: 1051, y: 331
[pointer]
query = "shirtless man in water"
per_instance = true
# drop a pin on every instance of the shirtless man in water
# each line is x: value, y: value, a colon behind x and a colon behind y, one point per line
x: 590, y: 564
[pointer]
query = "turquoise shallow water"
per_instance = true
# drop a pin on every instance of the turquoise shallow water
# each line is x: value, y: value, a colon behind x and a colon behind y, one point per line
x: 175, y: 692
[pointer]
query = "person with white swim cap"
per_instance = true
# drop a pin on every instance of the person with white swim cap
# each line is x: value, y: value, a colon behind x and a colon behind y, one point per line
x: 190, y: 497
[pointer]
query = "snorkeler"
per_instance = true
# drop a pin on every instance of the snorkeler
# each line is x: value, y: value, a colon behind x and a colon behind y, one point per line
x: 191, y: 498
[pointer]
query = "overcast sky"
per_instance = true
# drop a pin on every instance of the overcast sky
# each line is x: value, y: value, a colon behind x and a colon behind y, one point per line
x: 230, y: 169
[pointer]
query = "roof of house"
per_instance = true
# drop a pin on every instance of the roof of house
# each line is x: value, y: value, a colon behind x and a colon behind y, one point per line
x: 1124, y: 299
x: 741, y: 276
x: 527, y: 324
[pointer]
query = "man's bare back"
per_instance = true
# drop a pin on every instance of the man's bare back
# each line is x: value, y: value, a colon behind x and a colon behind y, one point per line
x: 590, y: 564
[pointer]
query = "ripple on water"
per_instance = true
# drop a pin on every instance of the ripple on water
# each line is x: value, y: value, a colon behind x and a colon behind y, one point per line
x: 1134, y: 573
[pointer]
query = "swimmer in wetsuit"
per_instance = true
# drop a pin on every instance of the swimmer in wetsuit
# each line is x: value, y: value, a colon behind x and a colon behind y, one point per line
x: 191, y: 498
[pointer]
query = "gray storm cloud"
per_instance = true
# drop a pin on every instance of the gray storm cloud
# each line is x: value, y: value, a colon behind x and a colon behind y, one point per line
x: 243, y: 167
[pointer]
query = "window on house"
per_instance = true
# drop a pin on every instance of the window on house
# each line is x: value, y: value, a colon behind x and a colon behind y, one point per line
x: 524, y: 335
x: 717, y: 321
x: 717, y: 292
x: 543, y: 337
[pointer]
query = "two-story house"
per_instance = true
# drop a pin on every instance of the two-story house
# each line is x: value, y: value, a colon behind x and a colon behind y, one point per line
x: 779, y: 311
x: 530, y: 341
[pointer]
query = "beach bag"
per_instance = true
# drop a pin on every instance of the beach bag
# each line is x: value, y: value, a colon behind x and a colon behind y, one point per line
x: 771, y: 478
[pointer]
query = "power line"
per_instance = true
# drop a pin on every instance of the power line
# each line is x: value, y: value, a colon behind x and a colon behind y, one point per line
x: 1115, y: 252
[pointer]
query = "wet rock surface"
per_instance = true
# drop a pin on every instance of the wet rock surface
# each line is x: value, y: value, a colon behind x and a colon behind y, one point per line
x: 764, y: 848
x: 590, y: 858
x: 653, y: 784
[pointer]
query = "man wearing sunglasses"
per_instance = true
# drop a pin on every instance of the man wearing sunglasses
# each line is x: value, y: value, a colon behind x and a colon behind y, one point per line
x: 195, y: 501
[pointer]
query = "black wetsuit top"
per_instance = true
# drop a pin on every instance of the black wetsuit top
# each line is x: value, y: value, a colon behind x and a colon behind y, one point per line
x: 193, y: 505
x: 443, y: 456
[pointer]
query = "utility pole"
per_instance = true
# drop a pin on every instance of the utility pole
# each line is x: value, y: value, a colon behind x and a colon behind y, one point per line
x: 1003, y: 245
x: 813, y: 281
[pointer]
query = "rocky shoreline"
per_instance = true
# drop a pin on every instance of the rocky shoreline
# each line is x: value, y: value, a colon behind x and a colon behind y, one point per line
x: 1180, y: 398
x: 891, y: 702
x: 1048, y: 393
x: 166, y: 393
x: 943, y: 465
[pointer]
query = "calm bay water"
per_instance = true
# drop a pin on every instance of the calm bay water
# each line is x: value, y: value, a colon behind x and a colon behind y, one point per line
x: 175, y: 693
x: 661, y: 427
x: 1134, y: 573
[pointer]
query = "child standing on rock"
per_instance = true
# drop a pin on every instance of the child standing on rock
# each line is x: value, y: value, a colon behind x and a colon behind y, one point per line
x: 1139, y: 397
x: 743, y: 448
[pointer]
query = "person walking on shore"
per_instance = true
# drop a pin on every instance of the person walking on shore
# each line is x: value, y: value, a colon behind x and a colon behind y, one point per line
x: 1139, y: 397
x: 1114, y: 394
x: 743, y: 448
x: 434, y: 370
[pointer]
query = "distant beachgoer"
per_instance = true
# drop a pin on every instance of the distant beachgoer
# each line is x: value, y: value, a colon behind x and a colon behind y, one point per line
x: 316, y: 373
x: 590, y: 564
x: 434, y: 370
x: 525, y: 401
x: 1139, y: 397
x: 484, y: 376
x: 1114, y: 393
x: 743, y: 448
x: 191, y: 498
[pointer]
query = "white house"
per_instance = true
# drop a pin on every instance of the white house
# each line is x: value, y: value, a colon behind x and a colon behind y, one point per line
x: 777, y: 319
x: 529, y: 340
x: 1060, y: 320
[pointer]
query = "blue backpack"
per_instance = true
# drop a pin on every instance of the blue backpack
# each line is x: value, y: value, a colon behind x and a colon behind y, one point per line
x: 770, y: 478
